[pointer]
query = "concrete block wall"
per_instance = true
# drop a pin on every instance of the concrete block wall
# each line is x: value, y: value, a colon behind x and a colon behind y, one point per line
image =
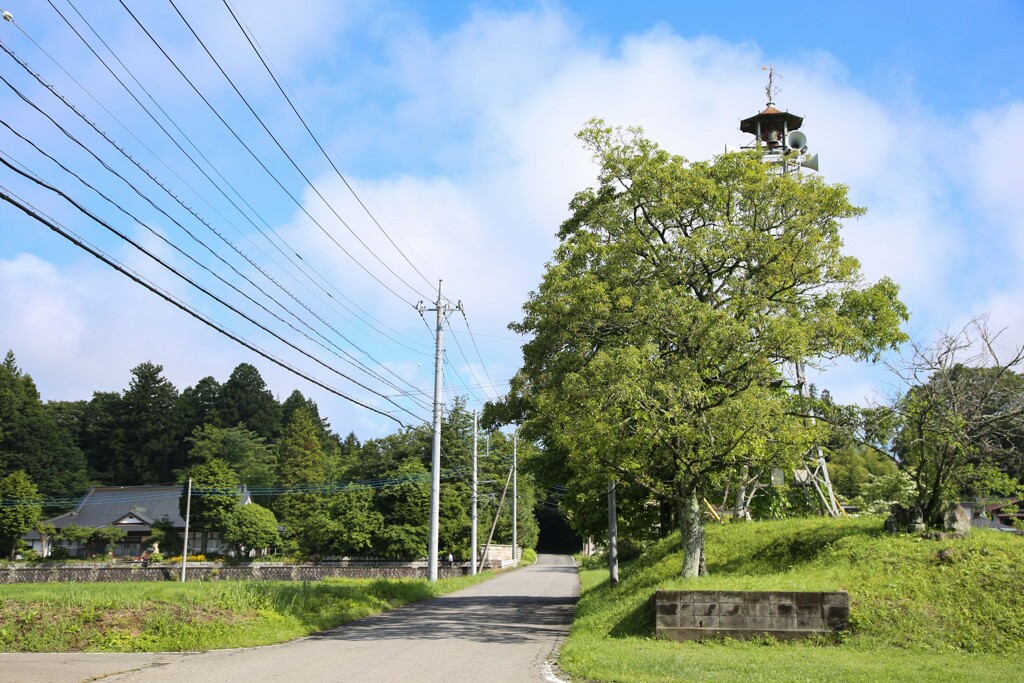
x: 785, y: 615
x: 498, y: 553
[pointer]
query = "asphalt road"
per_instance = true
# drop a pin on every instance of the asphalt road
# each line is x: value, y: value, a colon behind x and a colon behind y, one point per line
x: 505, y: 629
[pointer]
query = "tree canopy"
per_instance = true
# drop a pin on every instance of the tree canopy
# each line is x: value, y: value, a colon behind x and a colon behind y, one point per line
x: 20, y: 508
x: 245, y: 399
x: 333, y: 495
x: 245, y: 452
x: 250, y: 527
x: 674, y: 296
x: 302, y: 467
x: 34, y: 439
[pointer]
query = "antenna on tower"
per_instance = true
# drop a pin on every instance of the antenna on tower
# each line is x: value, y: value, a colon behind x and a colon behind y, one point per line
x: 771, y: 90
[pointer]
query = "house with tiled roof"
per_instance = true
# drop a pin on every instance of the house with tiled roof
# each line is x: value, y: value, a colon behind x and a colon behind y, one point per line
x: 133, y: 509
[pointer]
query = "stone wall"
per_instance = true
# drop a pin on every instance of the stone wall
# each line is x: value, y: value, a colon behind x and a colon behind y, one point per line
x: 694, y: 615
x: 215, y: 571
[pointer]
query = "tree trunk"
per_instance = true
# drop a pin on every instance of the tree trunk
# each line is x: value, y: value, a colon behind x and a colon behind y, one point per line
x: 691, y: 527
x: 741, y: 512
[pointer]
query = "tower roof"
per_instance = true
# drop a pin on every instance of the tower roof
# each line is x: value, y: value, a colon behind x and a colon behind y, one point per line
x: 770, y: 116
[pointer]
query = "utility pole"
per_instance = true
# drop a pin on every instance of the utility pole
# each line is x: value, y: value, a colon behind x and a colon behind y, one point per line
x: 613, y: 537
x: 442, y: 309
x: 188, y: 511
x: 472, y: 533
x: 515, y: 499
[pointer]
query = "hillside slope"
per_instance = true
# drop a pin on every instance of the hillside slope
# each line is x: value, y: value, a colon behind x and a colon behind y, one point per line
x: 914, y: 614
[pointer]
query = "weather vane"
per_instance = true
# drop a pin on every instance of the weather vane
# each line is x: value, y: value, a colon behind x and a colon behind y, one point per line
x: 771, y: 90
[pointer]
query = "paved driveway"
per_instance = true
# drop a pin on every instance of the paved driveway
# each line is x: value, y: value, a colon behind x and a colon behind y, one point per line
x: 505, y: 629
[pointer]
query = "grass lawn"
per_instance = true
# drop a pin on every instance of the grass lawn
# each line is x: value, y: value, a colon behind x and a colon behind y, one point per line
x: 176, y: 617
x: 914, y: 617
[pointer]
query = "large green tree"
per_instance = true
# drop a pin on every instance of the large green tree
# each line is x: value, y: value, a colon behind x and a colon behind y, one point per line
x: 404, y: 504
x: 97, y: 432
x: 245, y: 399
x: 251, y: 527
x: 20, y: 508
x: 34, y: 439
x: 197, y: 404
x: 214, y: 495
x: 355, y: 522
x: 245, y: 452
x: 302, y: 470
x: 675, y: 294
x: 150, y: 446
x: 855, y: 465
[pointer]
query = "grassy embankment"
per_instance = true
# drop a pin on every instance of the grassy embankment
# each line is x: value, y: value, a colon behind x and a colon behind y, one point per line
x: 176, y: 617
x: 914, y: 616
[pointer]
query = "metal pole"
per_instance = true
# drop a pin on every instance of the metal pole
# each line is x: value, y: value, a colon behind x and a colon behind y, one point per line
x: 188, y: 512
x: 515, y: 499
x: 435, y: 450
x: 472, y: 533
x: 494, y: 526
x: 613, y: 537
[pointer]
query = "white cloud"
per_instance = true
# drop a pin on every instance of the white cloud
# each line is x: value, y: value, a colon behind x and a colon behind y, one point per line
x: 992, y: 149
x: 36, y: 313
x: 485, y: 116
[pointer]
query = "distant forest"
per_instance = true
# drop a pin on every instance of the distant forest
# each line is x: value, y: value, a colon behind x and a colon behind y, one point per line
x: 151, y: 433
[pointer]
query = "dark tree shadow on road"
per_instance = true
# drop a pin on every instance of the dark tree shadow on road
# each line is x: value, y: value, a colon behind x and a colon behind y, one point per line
x: 504, y: 619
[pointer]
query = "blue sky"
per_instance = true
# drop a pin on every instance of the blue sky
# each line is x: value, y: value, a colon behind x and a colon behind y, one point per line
x: 454, y: 123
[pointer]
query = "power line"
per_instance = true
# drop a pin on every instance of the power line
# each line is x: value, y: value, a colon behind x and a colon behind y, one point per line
x: 353, y: 361
x: 350, y: 360
x: 473, y: 338
x: 66, y: 169
x: 173, y: 139
x: 188, y: 280
x: 36, y: 215
x: 469, y: 365
x: 264, y: 166
x: 325, y: 488
x: 301, y: 266
x: 155, y: 206
x: 311, y: 134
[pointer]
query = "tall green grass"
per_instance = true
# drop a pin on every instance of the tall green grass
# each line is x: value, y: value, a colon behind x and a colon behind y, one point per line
x: 175, y: 617
x: 914, y: 615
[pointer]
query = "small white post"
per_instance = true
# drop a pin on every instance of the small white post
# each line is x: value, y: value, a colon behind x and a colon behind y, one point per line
x: 188, y: 511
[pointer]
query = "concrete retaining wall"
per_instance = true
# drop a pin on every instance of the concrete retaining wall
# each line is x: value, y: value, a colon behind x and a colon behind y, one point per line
x: 214, y: 571
x: 694, y: 615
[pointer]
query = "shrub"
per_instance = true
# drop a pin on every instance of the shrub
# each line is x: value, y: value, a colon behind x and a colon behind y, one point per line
x: 58, y: 554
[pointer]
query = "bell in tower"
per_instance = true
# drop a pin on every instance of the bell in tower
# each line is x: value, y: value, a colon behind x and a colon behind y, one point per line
x: 776, y: 133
